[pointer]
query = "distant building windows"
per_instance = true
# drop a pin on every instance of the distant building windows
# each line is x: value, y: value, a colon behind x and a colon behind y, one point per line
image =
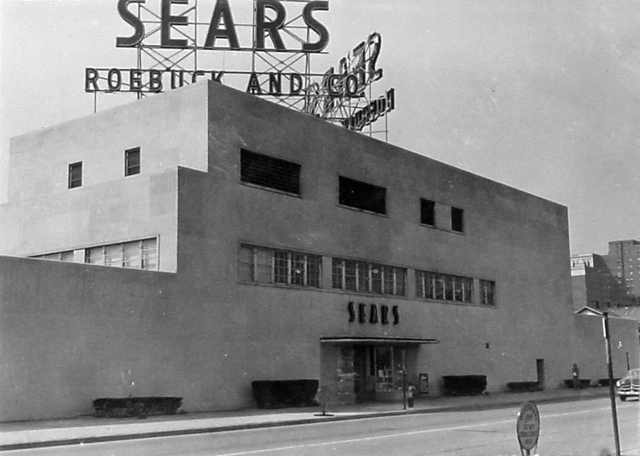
x: 361, y: 195
x: 75, y: 175
x: 487, y: 292
x: 270, y: 172
x: 132, y: 161
x: 427, y: 212
x: 274, y: 266
x: 444, y: 287
x: 457, y: 220
x: 364, y: 277
x: 135, y: 255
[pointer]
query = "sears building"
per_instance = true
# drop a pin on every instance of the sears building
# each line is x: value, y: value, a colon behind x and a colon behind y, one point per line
x: 190, y: 243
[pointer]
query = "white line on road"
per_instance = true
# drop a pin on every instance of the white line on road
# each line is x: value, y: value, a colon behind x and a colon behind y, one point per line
x: 402, y: 434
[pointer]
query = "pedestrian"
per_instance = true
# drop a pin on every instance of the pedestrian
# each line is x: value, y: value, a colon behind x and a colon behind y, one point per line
x: 410, y: 392
x: 575, y: 372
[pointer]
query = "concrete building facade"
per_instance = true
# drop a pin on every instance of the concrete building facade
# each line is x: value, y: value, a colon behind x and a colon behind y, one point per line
x: 206, y: 239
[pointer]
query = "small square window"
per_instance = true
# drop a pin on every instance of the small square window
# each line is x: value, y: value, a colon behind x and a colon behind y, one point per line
x: 75, y: 175
x: 132, y: 162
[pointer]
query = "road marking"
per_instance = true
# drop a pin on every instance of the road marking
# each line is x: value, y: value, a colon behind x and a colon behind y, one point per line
x: 402, y: 434
x: 364, y: 439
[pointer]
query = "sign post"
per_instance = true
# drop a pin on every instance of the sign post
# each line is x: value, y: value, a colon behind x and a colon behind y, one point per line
x: 528, y: 427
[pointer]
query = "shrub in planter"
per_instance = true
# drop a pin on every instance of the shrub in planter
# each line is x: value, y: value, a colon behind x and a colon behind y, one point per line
x: 271, y: 394
x: 605, y: 381
x: 524, y: 387
x: 464, y: 385
x: 136, y: 406
x: 584, y: 383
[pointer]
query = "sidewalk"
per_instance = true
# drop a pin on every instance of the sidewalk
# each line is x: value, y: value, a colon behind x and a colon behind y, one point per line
x: 88, y: 429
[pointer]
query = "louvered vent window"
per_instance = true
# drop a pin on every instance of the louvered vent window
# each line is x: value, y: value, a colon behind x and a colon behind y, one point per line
x: 270, y: 172
x: 457, y: 220
x: 361, y: 195
x: 427, y: 212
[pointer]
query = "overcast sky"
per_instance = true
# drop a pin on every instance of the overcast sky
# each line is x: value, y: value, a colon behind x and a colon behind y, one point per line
x: 540, y: 95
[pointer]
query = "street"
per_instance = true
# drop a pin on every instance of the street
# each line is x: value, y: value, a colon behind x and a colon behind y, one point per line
x: 580, y: 428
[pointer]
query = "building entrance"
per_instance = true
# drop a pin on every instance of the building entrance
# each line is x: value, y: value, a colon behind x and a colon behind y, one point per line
x: 369, y: 368
x: 377, y: 372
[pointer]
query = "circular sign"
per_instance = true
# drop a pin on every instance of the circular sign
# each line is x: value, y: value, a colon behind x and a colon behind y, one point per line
x: 528, y: 426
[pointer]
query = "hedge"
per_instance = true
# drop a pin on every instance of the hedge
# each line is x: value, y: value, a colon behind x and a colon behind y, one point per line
x: 272, y: 394
x: 464, y: 385
x: 524, y: 387
x: 136, y: 406
x: 584, y: 383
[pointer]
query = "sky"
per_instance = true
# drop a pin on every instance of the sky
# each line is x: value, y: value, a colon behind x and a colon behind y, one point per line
x: 543, y: 95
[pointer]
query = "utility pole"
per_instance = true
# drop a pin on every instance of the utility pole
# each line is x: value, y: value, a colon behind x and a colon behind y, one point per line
x: 612, y: 393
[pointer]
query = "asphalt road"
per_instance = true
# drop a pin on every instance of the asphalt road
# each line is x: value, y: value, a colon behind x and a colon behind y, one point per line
x: 581, y: 428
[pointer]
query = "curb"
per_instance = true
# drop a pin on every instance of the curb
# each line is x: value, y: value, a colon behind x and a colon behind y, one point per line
x: 315, y: 419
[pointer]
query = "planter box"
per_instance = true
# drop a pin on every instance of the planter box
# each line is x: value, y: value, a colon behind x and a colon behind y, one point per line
x: 272, y: 394
x: 464, y: 385
x: 136, y: 406
x: 584, y: 383
x: 524, y: 387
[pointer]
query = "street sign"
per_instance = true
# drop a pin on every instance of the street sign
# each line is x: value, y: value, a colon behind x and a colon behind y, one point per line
x: 528, y: 427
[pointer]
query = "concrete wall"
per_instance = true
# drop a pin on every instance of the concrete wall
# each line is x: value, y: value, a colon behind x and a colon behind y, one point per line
x: 134, y: 208
x: 590, y: 353
x: 170, y: 130
x: 71, y: 333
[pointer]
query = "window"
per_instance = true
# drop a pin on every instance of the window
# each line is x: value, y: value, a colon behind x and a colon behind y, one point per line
x: 132, y: 161
x: 75, y: 175
x: 141, y: 254
x: 363, y: 277
x: 457, y: 220
x: 66, y: 256
x: 487, y: 292
x: 134, y: 255
x: 361, y: 195
x: 264, y: 265
x: 444, y: 287
x: 428, y: 212
x: 271, y: 172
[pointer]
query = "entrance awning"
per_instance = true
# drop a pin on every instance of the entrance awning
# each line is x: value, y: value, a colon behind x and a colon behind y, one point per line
x: 376, y: 340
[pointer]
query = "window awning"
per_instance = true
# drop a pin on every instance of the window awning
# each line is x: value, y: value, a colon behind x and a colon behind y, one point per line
x: 355, y: 340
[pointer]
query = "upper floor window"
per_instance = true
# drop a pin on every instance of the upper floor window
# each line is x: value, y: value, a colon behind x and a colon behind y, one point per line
x: 457, y: 219
x: 75, y: 175
x: 427, y: 212
x: 487, y: 292
x: 132, y: 161
x: 265, y: 265
x: 270, y: 172
x: 363, y: 277
x: 361, y: 195
x: 445, y: 287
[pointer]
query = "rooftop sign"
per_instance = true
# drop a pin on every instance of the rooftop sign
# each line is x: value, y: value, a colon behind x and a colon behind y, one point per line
x: 222, y: 26
x: 281, y: 38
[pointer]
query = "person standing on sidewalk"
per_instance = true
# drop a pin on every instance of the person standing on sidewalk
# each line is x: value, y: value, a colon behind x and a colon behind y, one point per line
x: 576, y: 377
x: 410, y: 392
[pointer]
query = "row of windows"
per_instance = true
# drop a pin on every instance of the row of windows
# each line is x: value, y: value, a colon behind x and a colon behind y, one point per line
x: 263, y: 265
x: 141, y: 254
x: 364, y: 277
x: 131, y: 167
x: 283, y: 175
x: 274, y: 266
